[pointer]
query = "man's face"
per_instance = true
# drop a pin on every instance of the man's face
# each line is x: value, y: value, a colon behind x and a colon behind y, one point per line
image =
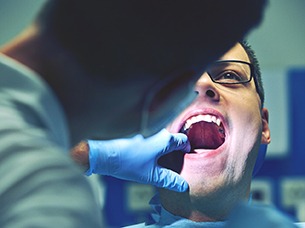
x: 224, y: 125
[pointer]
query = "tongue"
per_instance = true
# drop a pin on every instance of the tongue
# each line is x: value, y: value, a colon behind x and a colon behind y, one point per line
x: 205, y: 135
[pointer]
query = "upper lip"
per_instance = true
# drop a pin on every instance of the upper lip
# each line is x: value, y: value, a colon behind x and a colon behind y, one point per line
x: 202, y: 117
x: 209, y: 111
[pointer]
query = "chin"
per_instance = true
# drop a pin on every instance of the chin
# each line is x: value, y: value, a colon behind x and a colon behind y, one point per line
x: 205, y: 183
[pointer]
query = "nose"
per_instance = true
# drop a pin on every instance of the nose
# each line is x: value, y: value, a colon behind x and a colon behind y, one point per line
x: 205, y: 87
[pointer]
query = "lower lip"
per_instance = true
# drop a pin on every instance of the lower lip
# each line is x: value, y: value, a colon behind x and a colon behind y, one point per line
x: 205, y: 153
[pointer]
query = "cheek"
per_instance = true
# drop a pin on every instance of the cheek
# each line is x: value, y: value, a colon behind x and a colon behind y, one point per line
x: 175, y: 125
x: 169, y: 127
x: 246, y: 130
x: 247, y: 110
x: 246, y: 127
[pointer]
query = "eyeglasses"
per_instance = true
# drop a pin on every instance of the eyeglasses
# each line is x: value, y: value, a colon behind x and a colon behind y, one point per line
x: 166, y: 100
x: 230, y: 72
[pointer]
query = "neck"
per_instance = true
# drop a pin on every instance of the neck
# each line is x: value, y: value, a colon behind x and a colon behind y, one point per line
x: 42, y: 54
x: 26, y: 48
x: 209, y: 208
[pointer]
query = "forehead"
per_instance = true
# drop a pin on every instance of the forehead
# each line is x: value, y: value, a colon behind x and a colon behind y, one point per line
x: 237, y: 52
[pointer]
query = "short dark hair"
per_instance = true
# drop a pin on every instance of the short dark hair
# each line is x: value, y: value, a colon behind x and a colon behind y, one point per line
x: 110, y: 37
x: 256, y: 70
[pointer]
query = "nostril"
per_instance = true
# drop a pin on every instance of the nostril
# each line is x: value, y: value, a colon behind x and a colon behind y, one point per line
x: 210, y: 93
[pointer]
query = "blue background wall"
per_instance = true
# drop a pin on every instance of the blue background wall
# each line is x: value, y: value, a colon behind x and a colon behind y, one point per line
x: 287, y: 174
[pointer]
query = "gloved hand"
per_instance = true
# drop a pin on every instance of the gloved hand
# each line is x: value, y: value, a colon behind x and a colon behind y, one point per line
x: 136, y: 159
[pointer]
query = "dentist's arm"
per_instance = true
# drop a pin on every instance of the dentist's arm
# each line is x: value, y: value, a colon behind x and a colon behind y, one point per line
x: 134, y: 158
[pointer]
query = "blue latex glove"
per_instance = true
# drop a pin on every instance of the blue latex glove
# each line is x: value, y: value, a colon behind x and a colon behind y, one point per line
x: 136, y: 159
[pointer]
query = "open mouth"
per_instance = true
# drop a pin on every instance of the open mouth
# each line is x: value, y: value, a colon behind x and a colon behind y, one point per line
x: 204, y: 132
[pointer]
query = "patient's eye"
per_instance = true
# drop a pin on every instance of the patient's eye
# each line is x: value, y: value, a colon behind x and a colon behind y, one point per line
x: 230, y: 72
x: 228, y: 77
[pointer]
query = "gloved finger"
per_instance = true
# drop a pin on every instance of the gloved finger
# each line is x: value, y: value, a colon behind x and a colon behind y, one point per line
x: 164, y: 142
x: 176, y: 142
x: 165, y: 178
x: 181, y: 142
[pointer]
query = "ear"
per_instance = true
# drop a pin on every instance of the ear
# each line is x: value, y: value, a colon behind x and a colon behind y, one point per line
x: 266, y: 139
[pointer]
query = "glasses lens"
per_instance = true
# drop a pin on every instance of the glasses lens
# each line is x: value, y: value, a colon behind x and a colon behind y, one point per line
x: 165, y: 102
x: 230, y: 72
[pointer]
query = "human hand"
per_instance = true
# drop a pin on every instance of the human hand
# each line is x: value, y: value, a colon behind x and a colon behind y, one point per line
x: 136, y: 159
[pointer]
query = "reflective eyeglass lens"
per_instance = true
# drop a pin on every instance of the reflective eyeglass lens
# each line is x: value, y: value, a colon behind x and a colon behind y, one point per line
x: 230, y: 72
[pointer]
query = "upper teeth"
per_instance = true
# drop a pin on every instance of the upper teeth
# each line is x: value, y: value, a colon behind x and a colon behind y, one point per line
x: 196, y: 119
